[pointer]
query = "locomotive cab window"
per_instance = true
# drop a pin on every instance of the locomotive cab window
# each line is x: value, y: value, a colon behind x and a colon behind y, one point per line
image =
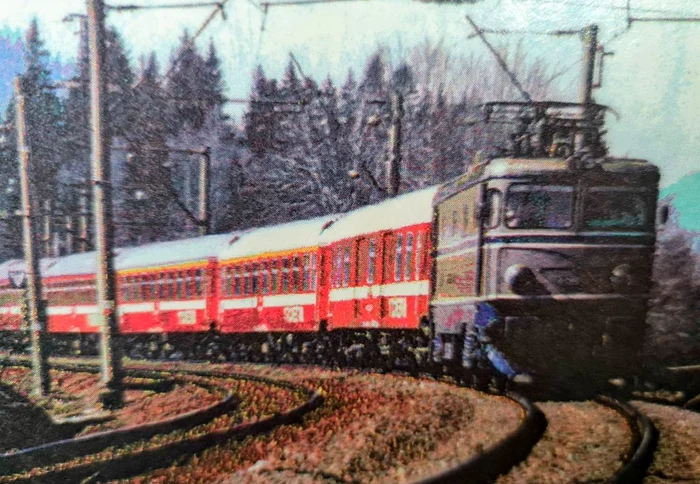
x: 615, y: 208
x: 539, y: 206
x: 492, y: 214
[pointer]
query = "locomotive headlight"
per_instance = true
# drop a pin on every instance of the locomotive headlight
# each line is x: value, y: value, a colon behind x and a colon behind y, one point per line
x: 621, y: 276
x: 520, y: 279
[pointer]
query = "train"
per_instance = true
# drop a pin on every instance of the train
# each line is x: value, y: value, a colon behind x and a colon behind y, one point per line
x: 537, y: 260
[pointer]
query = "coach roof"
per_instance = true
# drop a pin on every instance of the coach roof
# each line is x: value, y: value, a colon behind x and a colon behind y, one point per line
x: 278, y: 238
x: 158, y: 254
x: 18, y: 265
x: 402, y: 211
x: 173, y: 252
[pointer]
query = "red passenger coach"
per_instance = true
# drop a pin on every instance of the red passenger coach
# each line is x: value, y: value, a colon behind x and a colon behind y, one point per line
x: 269, y: 279
x: 169, y: 287
x: 69, y: 288
x: 377, y: 262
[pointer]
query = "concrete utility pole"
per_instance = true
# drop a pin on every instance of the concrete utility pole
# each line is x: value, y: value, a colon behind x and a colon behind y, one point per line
x: 83, y: 222
x: 46, y: 237
x: 69, y: 234
x: 204, y: 189
x: 36, y: 306
x: 110, y: 356
x: 590, y: 45
x: 393, y: 169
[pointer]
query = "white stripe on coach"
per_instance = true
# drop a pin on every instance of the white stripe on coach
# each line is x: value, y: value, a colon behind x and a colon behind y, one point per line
x: 279, y: 300
x: 59, y: 310
x: 245, y: 303
x: 409, y: 288
x: 92, y: 309
x: 136, y: 308
x: 175, y: 305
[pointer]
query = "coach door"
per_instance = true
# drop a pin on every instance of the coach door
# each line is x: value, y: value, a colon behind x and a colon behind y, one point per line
x: 324, y: 285
x: 366, y: 308
x: 386, y: 274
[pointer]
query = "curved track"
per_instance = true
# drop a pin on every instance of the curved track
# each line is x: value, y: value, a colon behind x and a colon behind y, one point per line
x: 483, y: 467
x: 644, y: 441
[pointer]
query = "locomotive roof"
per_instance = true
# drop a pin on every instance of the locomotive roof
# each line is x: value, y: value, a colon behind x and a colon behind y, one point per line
x: 278, y: 238
x: 524, y: 167
x: 402, y: 211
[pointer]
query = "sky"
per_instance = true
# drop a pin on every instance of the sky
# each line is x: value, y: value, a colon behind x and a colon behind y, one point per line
x: 652, y: 80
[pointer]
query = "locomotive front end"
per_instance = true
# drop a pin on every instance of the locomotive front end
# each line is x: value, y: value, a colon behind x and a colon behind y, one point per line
x: 543, y: 262
x: 567, y: 264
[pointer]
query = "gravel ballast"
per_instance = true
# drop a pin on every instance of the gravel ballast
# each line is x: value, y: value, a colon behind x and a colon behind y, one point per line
x: 584, y: 442
x: 677, y: 457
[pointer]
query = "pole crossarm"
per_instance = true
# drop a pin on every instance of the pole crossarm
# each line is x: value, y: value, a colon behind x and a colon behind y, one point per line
x: 291, y: 3
x: 130, y: 8
x: 555, y: 33
x: 663, y: 19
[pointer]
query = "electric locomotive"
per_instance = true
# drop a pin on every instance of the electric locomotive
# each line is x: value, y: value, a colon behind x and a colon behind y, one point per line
x: 544, y: 252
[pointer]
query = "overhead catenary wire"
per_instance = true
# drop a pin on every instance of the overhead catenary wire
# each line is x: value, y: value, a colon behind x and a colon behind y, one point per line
x: 219, y: 9
x: 501, y: 61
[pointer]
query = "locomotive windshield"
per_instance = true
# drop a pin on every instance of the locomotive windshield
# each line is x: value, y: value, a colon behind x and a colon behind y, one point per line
x: 614, y: 207
x: 539, y: 206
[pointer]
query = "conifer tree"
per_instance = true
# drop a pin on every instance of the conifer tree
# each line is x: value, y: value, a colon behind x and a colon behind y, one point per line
x: 147, y: 182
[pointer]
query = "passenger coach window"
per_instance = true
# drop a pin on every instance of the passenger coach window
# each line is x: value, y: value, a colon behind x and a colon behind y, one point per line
x: 314, y: 274
x: 398, y: 258
x: 371, y: 261
x: 295, y: 274
x: 265, y: 277
x: 273, y: 276
x: 408, y: 272
x: 285, y: 276
x: 246, y: 279
x: 346, y: 267
x: 237, y: 281
x: 539, y: 206
x: 255, y: 279
x: 615, y: 208
x: 187, y: 281
x: 419, y: 253
x: 198, y: 283
x: 306, y: 276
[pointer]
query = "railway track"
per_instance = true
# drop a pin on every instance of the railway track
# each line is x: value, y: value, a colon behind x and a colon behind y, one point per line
x: 485, y: 466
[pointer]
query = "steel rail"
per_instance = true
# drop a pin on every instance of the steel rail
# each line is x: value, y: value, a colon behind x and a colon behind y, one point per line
x: 645, y: 438
x: 499, y: 459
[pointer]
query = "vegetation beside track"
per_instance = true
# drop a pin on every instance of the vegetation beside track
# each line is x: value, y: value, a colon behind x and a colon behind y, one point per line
x: 371, y: 428
x: 258, y: 400
x: 677, y: 458
x: 75, y: 396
